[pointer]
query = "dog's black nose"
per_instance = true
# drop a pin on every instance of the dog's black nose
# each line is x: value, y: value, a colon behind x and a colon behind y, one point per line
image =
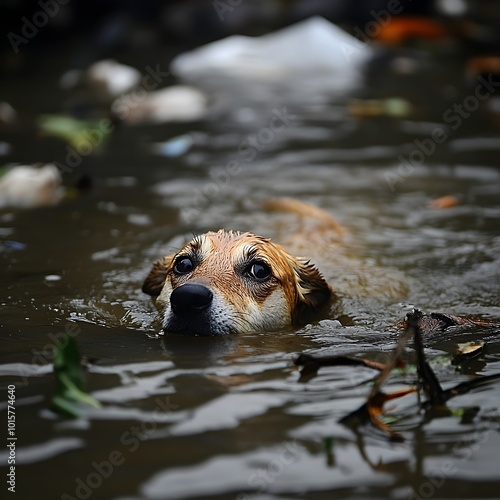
x: 190, y: 299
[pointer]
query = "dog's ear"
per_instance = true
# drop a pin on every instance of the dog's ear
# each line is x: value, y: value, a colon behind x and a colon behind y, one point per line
x: 155, y: 280
x: 313, y: 291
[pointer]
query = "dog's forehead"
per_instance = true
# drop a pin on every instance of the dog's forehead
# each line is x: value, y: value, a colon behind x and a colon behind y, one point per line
x: 230, y: 245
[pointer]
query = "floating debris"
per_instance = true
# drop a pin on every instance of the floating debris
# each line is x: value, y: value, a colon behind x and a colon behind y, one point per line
x: 70, y: 387
x: 402, y: 30
x: 178, y: 103
x: 107, y: 78
x: 51, y: 278
x: 112, y: 78
x: 394, y: 106
x: 12, y: 246
x: 85, y: 136
x: 467, y: 351
x: 177, y: 146
x: 416, y: 324
x: 25, y: 186
x: 444, y: 202
x: 313, y: 50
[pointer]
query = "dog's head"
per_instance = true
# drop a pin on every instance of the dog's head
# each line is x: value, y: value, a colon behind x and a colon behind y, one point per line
x: 231, y: 282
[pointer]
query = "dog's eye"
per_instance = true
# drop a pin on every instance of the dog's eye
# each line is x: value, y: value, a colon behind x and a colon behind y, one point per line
x: 260, y: 271
x: 183, y: 266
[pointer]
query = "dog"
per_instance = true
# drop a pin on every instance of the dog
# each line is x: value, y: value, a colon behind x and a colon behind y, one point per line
x: 235, y: 282
x: 238, y: 282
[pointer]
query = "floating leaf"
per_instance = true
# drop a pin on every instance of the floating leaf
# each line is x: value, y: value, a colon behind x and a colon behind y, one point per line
x: 328, y: 443
x: 444, y: 202
x: 405, y: 369
x: 70, y: 390
x: 375, y: 409
x: 80, y: 134
x: 468, y: 350
x: 394, y: 106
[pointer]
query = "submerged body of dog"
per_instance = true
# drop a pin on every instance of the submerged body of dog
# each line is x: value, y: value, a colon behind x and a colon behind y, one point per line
x: 237, y: 282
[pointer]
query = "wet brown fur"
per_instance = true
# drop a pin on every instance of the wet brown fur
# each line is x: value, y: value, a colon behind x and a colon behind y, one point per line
x: 221, y: 257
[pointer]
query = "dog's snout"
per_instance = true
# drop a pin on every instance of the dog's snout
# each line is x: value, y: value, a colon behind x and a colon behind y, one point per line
x: 190, y: 298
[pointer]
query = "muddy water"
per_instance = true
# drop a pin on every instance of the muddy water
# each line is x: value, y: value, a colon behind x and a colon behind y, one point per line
x: 228, y: 417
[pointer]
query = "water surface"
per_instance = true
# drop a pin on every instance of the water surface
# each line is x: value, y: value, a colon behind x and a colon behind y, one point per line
x: 228, y: 417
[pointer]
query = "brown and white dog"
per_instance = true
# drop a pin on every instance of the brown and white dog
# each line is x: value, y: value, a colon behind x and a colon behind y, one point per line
x: 231, y: 282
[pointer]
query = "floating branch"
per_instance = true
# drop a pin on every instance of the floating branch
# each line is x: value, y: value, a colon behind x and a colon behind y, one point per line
x: 311, y: 364
x: 416, y: 324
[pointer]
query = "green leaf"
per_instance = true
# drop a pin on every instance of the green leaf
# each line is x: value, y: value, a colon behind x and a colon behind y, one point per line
x: 77, y: 133
x: 67, y: 361
x: 389, y: 419
x: 70, y: 390
x: 328, y: 443
x: 407, y: 369
x: 65, y: 406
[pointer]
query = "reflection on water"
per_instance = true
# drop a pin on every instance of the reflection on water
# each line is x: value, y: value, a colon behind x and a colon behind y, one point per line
x: 218, y: 417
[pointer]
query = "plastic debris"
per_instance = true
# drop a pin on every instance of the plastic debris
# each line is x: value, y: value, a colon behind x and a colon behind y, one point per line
x: 175, y: 147
x: 51, y: 278
x: 12, y: 246
x: 178, y: 103
x: 25, y: 186
x: 314, y: 50
x: 108, y: 78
